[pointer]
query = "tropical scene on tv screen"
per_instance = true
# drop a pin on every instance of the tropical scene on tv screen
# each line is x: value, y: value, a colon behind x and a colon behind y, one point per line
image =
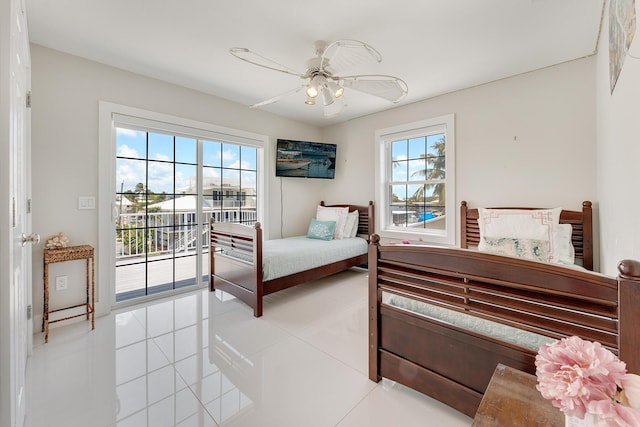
x: 303, y: 159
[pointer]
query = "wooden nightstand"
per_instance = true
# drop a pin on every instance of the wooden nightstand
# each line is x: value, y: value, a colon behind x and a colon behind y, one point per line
x: 70, y: 253
x: 512, y: 400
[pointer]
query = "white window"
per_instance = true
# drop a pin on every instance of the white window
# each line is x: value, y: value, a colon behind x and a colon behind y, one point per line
x: 416, y: 181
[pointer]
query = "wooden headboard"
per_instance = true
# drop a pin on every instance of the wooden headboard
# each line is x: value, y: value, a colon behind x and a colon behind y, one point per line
x: 581, y: 223
x: 366, y: 219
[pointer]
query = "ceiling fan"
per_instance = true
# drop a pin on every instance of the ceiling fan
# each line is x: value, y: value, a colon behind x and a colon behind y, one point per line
x: 325, y: 74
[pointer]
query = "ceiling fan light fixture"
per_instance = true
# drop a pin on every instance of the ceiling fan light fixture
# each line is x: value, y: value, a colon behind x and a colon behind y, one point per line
x: 312, y: 90
x: 327, y: 96
x: 310, y: 100
x: 336, y: 90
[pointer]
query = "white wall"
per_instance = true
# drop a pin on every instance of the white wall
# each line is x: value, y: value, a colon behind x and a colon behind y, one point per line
x: 528, y: 140
x: 618, y: 153
x: 66, y: 91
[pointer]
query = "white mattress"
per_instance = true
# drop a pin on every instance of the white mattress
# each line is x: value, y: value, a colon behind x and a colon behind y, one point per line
x: 496, y: 330
x: 282, y: 257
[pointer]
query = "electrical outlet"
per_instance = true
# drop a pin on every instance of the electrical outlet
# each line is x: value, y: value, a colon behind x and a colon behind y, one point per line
x: 61, y: 283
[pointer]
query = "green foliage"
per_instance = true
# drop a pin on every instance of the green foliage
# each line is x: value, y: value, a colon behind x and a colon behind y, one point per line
x: 141, y: 197
x: 437, y: 171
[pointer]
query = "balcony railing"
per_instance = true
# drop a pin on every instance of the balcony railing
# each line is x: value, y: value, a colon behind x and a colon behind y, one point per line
x: 160, y: 233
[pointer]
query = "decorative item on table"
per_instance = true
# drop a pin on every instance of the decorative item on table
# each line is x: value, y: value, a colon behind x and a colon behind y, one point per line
x: 57, y: 241
x: 587, y: 381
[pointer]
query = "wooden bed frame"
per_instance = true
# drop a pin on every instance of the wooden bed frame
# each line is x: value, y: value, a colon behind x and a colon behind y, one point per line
x: 454, y: 365
x: 244, y: 279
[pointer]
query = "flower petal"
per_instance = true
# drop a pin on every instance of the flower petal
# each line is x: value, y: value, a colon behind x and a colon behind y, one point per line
x: 627, y: 416
x: 631, y: 389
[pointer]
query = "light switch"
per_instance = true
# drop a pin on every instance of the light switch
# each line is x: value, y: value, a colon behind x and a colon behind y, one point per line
x: 86, y: 202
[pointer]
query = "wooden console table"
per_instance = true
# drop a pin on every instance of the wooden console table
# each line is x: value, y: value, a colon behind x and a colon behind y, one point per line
x: 71, y: 253
x: 512, y: 400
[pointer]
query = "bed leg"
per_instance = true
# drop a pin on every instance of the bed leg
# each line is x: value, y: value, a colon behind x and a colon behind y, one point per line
x: 259, y: 294
x: 257, y: 308
x: 629, y: 313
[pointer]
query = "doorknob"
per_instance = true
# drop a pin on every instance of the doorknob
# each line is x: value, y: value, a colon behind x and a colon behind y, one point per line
x: 31, y: 238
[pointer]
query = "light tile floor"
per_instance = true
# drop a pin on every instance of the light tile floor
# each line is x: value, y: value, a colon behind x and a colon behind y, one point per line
x: 202, y: 359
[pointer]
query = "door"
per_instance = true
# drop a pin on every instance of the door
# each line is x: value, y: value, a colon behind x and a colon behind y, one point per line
x: 19, y: 217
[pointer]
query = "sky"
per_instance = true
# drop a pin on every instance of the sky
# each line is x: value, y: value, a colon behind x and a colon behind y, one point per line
x: 406, y: 155
x: 217, y: 157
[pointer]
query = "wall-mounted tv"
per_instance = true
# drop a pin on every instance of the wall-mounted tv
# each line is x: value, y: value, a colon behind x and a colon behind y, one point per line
x: 304, y: 159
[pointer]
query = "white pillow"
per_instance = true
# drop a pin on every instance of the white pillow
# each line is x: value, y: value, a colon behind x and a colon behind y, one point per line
x: 535, y: 224
x: 564, y: 248
x: 351, y: 227
x: 339, y: 215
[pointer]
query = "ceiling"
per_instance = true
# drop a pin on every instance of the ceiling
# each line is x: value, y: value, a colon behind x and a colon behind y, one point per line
x: 435, y: 46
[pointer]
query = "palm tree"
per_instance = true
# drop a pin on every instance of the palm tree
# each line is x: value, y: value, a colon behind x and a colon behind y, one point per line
x: 437, y: 171
x: 139, y: 188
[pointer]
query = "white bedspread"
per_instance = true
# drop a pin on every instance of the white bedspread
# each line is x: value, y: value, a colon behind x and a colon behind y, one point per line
x: 282, y: 257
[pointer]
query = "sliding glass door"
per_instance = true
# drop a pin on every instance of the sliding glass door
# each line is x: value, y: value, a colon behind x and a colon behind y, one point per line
x: 157, y: 192
x: 167, y: 188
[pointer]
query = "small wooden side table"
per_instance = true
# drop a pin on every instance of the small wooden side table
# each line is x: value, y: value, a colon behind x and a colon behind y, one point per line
x: 512, y: 400
x: 70, y: 253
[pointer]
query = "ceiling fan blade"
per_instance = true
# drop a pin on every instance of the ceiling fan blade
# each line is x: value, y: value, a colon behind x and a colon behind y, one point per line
x: 345, y: 55
x: 278, y: 97
x: 256, y: 59
x: 387, y: 87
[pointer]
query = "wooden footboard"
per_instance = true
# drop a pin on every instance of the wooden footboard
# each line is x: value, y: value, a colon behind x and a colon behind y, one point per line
x: 236, y: 260
x: 454, y: 364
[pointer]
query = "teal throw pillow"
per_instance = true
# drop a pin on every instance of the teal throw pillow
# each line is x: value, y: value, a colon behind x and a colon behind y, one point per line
x: 322, y: 230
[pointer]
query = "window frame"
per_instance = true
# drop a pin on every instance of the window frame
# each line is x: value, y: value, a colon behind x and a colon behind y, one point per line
x: 384, y: 164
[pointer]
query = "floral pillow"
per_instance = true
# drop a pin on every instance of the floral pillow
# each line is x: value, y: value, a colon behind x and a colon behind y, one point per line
x: 537, y: 250
x: 322, y: 230
x: 520, y: 224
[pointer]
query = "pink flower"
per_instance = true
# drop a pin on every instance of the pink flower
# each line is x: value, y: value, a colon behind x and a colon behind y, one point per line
x: 630, y: 393
x: 613, y: 414
x: 573, y: 372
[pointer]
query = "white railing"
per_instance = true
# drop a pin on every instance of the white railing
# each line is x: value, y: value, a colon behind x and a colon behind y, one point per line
x: 166, y: 232
x: 226, y: 203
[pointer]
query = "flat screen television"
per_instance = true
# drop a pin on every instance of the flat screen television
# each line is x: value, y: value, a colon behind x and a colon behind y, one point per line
x: 304, y: 159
